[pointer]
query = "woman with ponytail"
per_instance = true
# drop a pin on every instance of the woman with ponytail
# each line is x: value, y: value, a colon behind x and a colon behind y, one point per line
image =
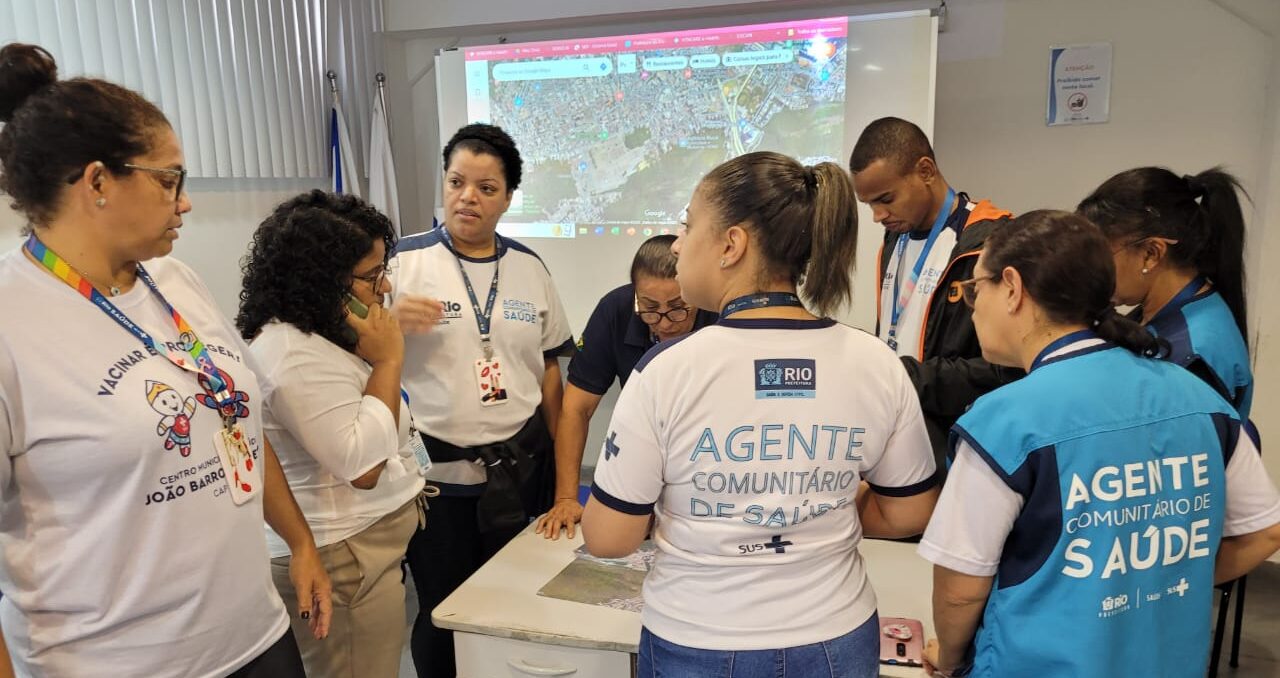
x: 1179, y: 254
x: 709, y: 423
x: 1101, y: 476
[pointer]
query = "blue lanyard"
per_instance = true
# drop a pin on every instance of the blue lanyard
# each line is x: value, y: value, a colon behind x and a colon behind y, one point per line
x: 1060, y: 343
x: 1182, y: 298
x: 484, y: 319
x: 900, y: 298
x: 761, y: 300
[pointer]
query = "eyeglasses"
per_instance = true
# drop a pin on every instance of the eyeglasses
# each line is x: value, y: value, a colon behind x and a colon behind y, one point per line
x: 375, y: 279
x: 675, y: 315
x: 1169, y: 242
x: 181, y: 175
x: 969, y: 288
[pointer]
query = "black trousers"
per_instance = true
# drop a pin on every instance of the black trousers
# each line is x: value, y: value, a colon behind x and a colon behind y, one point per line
x: 281, y: 660
x: 451, y: 548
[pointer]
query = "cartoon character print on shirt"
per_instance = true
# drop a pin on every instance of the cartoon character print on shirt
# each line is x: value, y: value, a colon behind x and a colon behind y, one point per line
x: 234, y: 407
x: 175, y: 415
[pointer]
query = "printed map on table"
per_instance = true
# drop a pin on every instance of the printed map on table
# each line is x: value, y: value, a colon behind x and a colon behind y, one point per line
x: 607, y: 582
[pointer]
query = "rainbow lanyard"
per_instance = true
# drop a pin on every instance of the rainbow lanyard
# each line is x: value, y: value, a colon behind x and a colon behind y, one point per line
x: 200, y: 363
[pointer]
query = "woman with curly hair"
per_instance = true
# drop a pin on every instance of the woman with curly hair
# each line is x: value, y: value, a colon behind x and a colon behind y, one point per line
x: 333, y: 409
x: 486, y: 327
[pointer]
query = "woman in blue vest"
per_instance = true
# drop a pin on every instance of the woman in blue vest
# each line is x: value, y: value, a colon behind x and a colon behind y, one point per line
x: 1179, y: 254
x: 1092, y: 505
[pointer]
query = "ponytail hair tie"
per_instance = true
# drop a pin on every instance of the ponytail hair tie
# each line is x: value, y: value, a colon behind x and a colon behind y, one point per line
x: 1196, y: 186
x: 810, y: 177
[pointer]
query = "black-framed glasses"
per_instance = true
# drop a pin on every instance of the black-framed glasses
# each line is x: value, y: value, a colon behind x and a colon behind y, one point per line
x: 675, y: 315
x: 969, y: 288
x: 181, y: 175
x: 375, y: 279
x: 1169, y: 242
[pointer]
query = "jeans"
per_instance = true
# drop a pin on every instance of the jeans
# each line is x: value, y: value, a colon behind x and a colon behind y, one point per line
x: 854, y: 655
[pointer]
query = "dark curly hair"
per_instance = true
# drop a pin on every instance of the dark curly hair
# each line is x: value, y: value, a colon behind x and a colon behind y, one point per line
x: 298, y: 269
x: 55, y: 127
x: 483, y: 139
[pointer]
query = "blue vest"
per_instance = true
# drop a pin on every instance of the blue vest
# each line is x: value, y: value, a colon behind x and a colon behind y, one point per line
x: 1205, y: 339
x: 1108, y: 570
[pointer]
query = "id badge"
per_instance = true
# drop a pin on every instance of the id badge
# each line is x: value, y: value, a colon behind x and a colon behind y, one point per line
x: 237, y: 461
x: 489, y: 382
x: 419, y: 449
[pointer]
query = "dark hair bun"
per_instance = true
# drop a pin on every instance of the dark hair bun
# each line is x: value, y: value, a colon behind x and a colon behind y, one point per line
x: 24, y: 70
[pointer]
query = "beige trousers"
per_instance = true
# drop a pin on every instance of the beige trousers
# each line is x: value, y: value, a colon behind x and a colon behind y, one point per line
x: 367, y: 633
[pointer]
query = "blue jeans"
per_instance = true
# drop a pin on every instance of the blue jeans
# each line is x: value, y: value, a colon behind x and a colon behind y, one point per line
x: 856, y: 654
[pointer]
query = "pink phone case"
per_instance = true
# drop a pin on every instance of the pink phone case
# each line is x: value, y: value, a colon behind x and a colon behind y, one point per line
x: 902, y: 652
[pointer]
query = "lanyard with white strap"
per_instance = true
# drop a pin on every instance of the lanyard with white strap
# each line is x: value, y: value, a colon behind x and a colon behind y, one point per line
x: 902, y: 292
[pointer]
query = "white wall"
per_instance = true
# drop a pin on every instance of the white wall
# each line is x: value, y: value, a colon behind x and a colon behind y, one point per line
x: 1195, y: 84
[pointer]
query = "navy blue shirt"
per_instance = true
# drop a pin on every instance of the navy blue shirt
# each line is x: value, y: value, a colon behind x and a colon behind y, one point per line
x: 614, y: 341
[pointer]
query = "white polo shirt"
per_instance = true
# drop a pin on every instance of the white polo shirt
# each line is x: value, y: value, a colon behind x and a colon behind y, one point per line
x: 748, y: 440
x: 121, y: 551
x: 327, y: 433
x: 528, y: 326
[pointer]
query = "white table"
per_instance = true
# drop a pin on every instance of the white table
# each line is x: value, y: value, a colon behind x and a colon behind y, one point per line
x: 505, y: 629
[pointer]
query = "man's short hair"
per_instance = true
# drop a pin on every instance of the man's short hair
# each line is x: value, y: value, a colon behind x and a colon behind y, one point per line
x: 896, y: 141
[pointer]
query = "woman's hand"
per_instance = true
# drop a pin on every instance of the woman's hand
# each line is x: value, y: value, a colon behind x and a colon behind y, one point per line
x: 379, y: 339
x: 311, y: 582
x: 417, y: 314
x: 565, y: 513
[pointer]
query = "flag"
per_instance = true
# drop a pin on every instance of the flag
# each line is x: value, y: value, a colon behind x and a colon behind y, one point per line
x: 382, y: 169
x: 342, y: 159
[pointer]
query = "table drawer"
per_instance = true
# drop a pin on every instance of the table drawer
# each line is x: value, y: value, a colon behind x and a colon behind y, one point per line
x: 481, y: 656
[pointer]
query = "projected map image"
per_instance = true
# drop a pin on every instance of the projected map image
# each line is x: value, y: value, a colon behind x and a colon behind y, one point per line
x: 620, y: 135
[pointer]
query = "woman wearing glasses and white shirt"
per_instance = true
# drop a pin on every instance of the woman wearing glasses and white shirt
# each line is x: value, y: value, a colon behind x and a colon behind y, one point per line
x: 627, y: 322
x: 331, y: 388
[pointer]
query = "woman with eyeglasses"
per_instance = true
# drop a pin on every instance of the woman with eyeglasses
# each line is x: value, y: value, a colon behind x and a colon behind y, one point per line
x: 1178, y: 244
x: 315, y: 282
x: 136, y: 475
x: 744, y: 442
x: 627, y: 322
x: 1099, y: 498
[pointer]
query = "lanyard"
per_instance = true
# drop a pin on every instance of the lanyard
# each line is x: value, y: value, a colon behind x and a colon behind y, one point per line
x: 203, y: 364
x: 1061, y: 343
x: 1182, y: 298
x: 761, y: 300
x: 484, y: 319
x: 902, y: 293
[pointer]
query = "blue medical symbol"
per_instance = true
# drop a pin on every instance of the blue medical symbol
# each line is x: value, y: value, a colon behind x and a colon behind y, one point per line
x: 777, y: 544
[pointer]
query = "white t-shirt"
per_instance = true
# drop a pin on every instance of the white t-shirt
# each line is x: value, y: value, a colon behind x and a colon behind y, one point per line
x: 749, y: 438
x: 529, y: 325
x: 327, y: 433
x: 121, y: 551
